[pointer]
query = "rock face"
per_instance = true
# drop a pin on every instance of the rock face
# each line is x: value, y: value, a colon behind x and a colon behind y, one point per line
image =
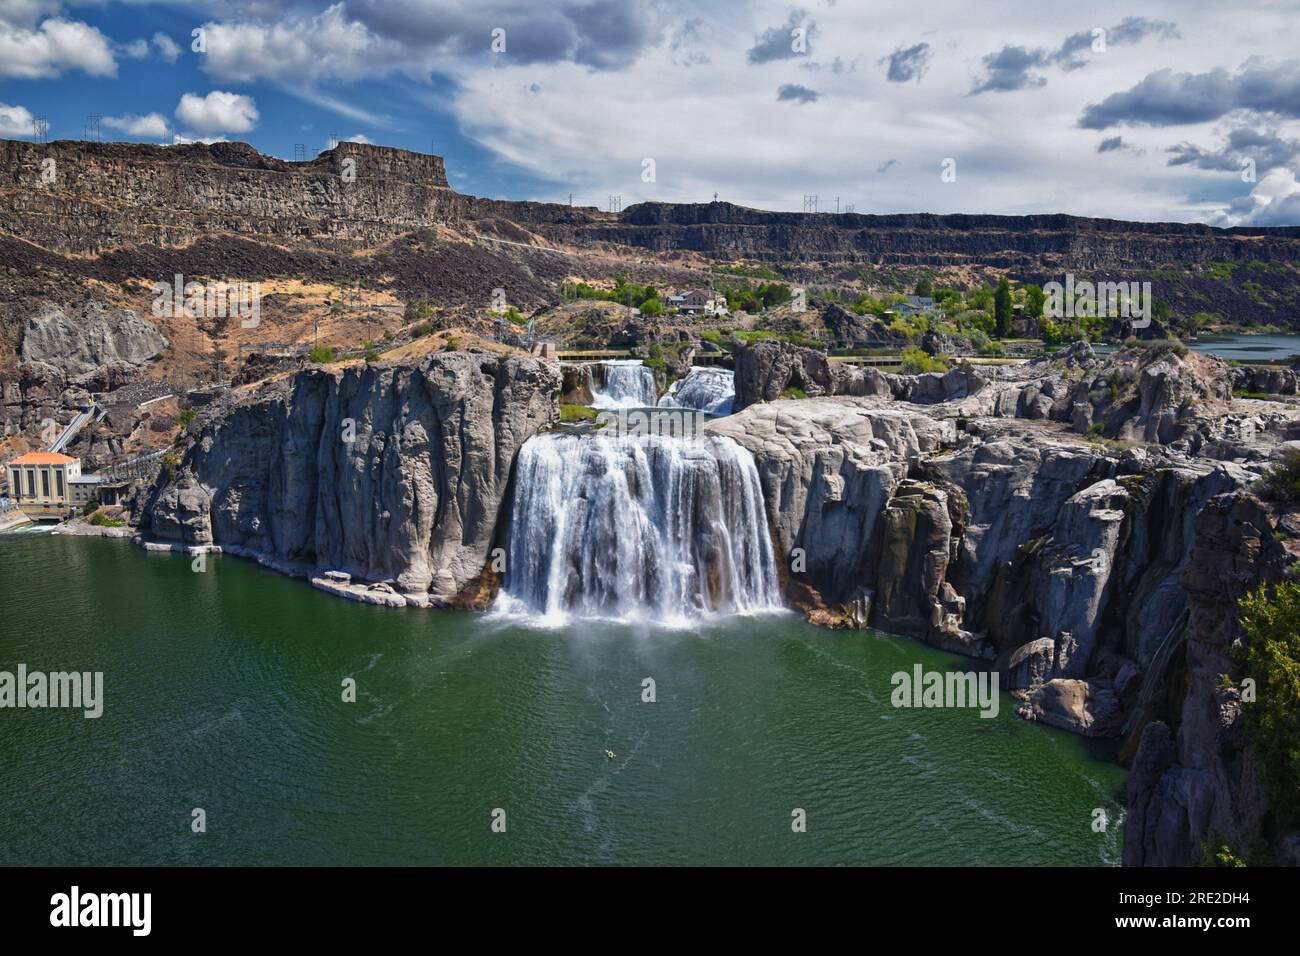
x: 81, y: 340
x: 1200, y: 779
x: 767, y: 368
x: 388, y: 473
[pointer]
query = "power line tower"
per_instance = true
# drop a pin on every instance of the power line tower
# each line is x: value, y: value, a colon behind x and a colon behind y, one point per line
x: 300, y: 152
x: 40, y: 129
x: 810, y: 202
x: 615, y: 203
x: 92, y: 132
x: 848, y: 207
x: 334, y: 140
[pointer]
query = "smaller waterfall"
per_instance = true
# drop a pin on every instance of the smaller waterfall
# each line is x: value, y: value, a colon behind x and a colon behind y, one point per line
x: 627, y: 384
x: 710, y: 390
x: 637, y: 528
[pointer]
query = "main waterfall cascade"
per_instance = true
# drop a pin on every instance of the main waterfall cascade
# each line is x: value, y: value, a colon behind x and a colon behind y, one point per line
x: 628, y: 384
x: 635, y: 528
x: 711, y: 390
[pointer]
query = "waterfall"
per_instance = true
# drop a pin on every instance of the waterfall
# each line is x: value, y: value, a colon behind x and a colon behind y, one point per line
x: 627, y: 384
x: 711, y: 390
x: 637, y: 528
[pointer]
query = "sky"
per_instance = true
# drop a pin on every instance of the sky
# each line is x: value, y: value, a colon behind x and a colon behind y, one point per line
x: 1159, y: 111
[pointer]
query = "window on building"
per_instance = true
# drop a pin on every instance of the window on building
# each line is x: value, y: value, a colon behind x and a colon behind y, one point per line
x: 15, y: 482
x: 58, y: 481
x: 31, y: 482
x: 45, y: 482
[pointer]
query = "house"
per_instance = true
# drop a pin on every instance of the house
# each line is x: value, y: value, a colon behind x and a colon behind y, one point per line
x: 698, y: 302
x: 40, y: 482
x: 915, y: 305
x: 84, y: 488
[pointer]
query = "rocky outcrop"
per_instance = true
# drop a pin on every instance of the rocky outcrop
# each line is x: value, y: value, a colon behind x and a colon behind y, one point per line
x: 1194, y: 773
x: 82, y: 340
x: 768, y: 368
x: 387, y: 473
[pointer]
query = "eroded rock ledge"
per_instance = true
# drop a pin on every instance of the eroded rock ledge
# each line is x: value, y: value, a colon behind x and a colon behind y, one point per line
x: 395, y: 475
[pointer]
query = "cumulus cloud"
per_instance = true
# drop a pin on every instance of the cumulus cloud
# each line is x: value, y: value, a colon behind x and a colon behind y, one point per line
x: 167, y: 48
x: 360, y: 138
x: 149, y: 126
x: 218, y: 112
x: 15, y: 121
x: 1265, y: 147
x: 54, y: 47
x: 1018, y: 67
x: 908, y: 63
x: 1275, y: 201
x: 1166, y: 98
x: 795, y: 93
x: 780, y: 43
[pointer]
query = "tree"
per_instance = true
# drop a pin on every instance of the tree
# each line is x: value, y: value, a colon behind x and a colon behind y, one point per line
x: 1270, y: 655
x: 1034, y: 300
x: 924, y: 288
x: 1002, y: 308
x: 652, y: 307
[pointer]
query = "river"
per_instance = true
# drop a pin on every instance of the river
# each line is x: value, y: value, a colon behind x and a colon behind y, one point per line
x: 223, y: 692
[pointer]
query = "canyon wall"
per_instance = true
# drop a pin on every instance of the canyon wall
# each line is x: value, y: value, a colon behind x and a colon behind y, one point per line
x: 393, y: 474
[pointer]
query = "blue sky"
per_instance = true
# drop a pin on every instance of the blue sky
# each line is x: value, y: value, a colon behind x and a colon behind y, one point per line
x: 1172, y: 110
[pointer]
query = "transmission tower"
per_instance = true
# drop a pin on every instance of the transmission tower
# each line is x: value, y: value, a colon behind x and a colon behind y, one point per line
x: 810, y: 202
x: 848, y: 207
x: 40, y: 129
x: 300, y: 152
x: 615, y: 203
x: 92, y: 131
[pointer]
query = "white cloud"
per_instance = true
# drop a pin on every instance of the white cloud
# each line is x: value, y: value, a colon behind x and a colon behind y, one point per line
x: 168, y: 51
x: 150, y: 126
x: 1274, y: 201
x: 15, y: 121
x: 218, y: 112
x: 180, y: 139
x: 53, y: 47
x: 360, y: 138
x: 135, y: 50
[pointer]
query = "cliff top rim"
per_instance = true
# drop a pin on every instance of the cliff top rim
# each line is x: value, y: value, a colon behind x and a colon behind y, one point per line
x: 242, y: 155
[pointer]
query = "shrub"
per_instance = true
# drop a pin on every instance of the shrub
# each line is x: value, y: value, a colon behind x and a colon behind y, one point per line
x: 187, y: 416
x: 421, y: 330
x: 1282, y: 481
x: 101, y: 520
x: 452, y: 344
x: 794, y: 392
x: 1270, y: 656
x: 321, y: 354
x: 915, y: 362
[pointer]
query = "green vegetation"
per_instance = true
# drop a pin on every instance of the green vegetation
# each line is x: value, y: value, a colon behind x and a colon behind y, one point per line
x: 187, y: 416
x: 1002, y: 308
x: 916, y: 362
x: 576, y: 413
x: 321, y: 355
x: 794, y: 392
x: 452, y: 344
x: 1270, y: 656
x: 624, y: 292
x: 1282, y: 481
x: 655, y: 358
x: 88, y: 507
x: 514, y: 316
x: 712, y: 335
x: 421, y: 330
x: 748, y: 272
x: 652, y: 306
x: 1220, y: 270
x: 101, y: 520
x: 1215, y: 852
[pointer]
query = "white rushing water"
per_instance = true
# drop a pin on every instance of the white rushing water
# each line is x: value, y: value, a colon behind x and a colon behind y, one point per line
x: 628, y: 384
x: 711, y: 390
x: 637, y: 528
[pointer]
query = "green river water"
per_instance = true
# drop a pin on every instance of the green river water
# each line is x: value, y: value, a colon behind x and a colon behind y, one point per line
x: 223, y: 691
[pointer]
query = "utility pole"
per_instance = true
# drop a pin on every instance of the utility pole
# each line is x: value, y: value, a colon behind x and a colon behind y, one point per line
x: 837, y: 205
